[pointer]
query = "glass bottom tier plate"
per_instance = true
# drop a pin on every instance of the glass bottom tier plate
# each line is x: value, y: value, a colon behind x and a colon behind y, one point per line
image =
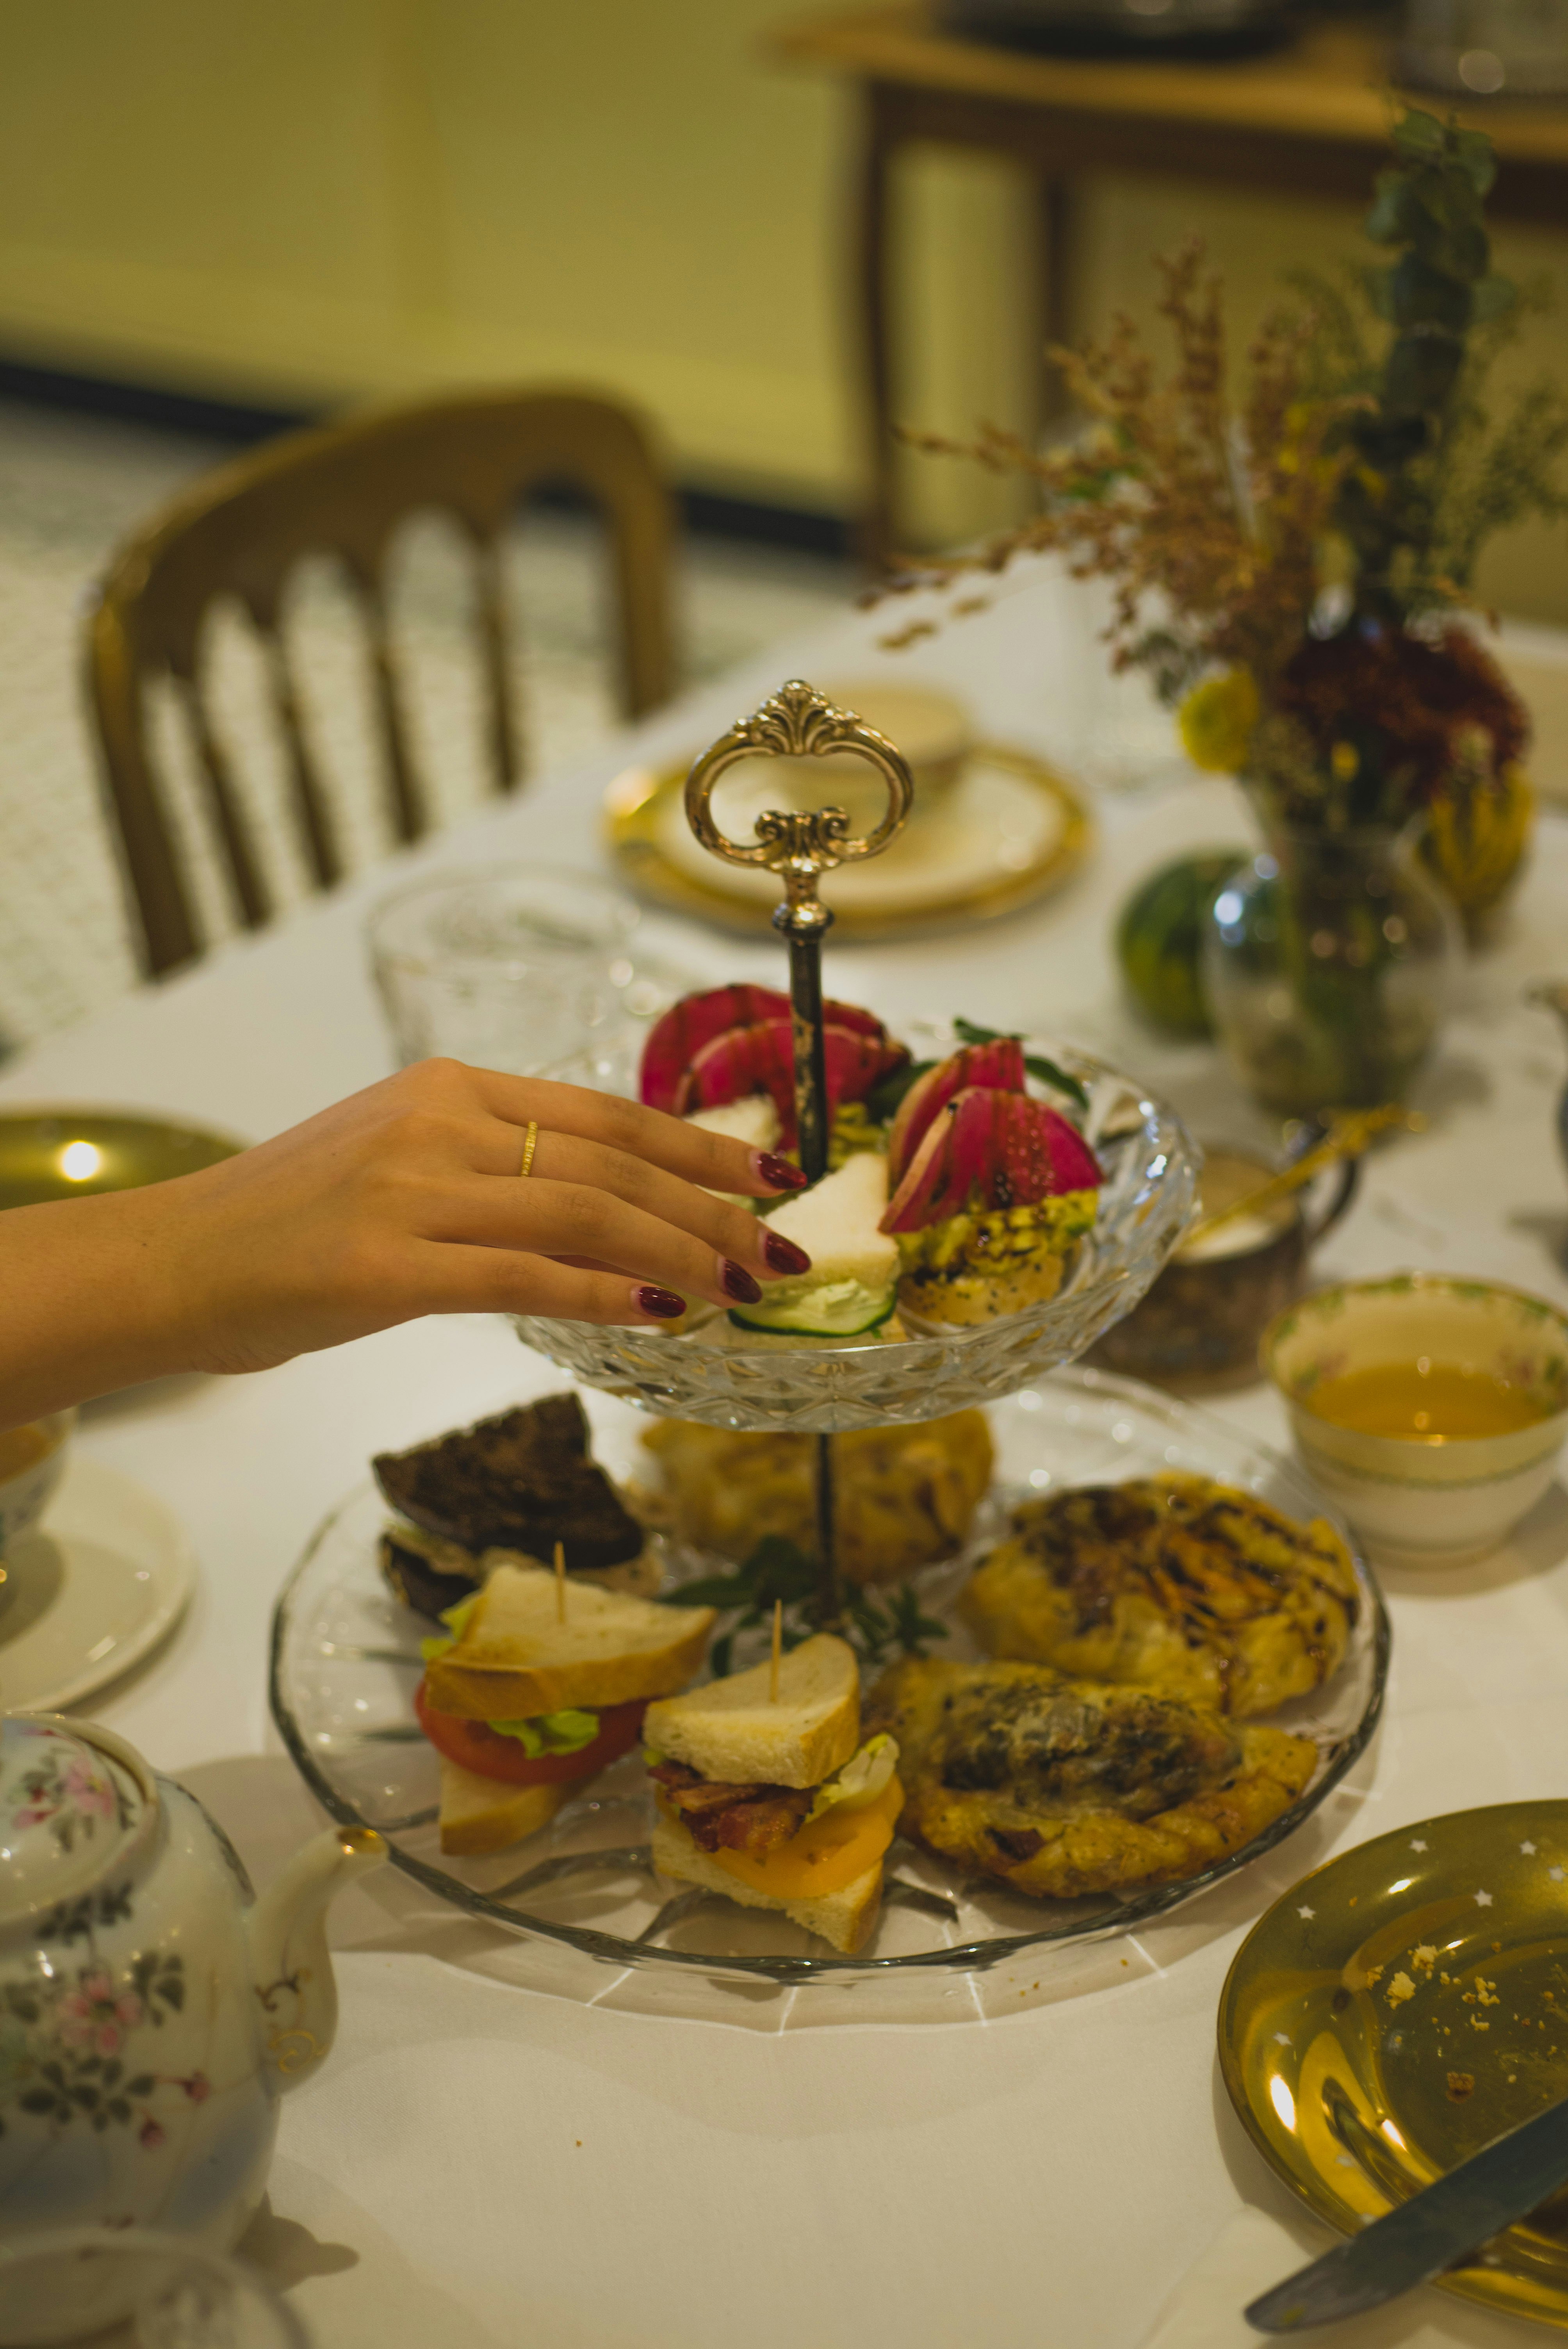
x: 346, y: 1660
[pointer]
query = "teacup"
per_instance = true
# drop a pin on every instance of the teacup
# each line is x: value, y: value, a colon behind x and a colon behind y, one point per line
x: 32, y: 1462
x: 1425, y: 1499
x: 1197, y: 1328
x: 931, y: 728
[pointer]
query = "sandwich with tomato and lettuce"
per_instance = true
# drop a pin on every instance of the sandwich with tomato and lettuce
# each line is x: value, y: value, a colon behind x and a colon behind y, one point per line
x: 537, y: 1685
x: 771, y: 1796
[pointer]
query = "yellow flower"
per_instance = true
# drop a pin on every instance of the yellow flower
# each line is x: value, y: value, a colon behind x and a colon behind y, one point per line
x: 1217, y: 720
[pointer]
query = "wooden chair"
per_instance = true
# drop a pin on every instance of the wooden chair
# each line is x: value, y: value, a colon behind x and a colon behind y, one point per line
x: 344, y: 488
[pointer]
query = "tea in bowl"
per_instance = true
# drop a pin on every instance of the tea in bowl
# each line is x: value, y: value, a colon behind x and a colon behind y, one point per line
x: 1431, y: 1410
x: 32, y: 1462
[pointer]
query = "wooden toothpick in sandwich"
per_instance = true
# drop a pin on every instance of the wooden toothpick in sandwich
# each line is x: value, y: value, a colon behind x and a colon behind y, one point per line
x: 778, y: 1650
x: 560, y: 1582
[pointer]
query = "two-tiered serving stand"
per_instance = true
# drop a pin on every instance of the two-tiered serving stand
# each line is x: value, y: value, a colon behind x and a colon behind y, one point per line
x: 344, y: 1653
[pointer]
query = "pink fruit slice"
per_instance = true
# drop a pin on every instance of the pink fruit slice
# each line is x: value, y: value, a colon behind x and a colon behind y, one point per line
x: 675, y: 1039
x: 998, y: 1065
x: 988, y: 1149
x: 761, y: 1059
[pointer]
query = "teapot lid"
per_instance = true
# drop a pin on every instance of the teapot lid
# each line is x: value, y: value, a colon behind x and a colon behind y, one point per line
x: 71, y: 1803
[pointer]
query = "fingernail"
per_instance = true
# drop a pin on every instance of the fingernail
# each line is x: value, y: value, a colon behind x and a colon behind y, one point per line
x: 777, y: 1173
x: 737, y: 1282
x: 663, y: 1303
x: 783, y: 1255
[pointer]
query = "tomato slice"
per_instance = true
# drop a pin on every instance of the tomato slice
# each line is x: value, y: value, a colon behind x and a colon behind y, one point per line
x: 477, y: 1746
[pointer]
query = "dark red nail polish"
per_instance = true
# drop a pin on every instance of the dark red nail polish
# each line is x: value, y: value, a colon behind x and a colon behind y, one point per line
x: 777, y: 1173
x: 662, y: 1302
x: 737, y: 1282
x: 783, y: 1255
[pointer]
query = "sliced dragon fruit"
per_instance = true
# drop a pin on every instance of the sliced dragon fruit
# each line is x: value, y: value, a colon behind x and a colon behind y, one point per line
x: 998, y: 1065
x: 989, y: 1149
x: 677, y: 1037
x: 761, y: 1059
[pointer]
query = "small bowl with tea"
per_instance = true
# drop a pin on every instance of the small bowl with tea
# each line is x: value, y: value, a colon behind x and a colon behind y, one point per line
x: 1431, y: 1410
x: 32, y: 1462
x: 1199, y: 1326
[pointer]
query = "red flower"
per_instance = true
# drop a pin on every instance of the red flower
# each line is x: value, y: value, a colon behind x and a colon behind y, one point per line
x: 1417, y: 697
x: 198, y: 2087
x: 152, y: 2137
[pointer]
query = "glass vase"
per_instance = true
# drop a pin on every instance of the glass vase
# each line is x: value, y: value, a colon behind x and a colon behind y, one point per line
x: 1329, y: 964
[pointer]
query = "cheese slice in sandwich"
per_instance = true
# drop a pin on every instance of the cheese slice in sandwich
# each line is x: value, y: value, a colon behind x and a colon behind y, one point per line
x: 532, y: 1676
x: 776, y: 1804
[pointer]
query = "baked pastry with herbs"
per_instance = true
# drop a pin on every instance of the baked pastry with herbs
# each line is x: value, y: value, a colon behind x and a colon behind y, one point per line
x: 1175, y: 1583
x: 903, y: 1497
x: 1063, y: 1787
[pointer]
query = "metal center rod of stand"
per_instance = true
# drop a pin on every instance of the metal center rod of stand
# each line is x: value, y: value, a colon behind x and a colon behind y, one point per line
x: 812, y: 1131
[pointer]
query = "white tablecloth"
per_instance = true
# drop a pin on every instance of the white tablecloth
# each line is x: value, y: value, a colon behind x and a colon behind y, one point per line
x: 481, y: 2161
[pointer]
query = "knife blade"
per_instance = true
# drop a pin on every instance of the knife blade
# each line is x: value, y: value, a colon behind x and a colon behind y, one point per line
x: 1413, y: 2243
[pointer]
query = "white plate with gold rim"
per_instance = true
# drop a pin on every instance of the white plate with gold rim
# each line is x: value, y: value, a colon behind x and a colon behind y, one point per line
x: 1010, y: 829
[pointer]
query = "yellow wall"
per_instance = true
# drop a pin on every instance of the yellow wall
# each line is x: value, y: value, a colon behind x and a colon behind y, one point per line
x: 300, y: 201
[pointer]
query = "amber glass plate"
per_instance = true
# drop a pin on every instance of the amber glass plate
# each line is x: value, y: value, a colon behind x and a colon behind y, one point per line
x: 63, y: 1153
x: 1399, y: 2009
x: 346, y: 1660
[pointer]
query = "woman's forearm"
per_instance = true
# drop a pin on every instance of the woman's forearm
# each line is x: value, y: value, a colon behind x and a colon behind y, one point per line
x: 409, y: 1198
x: 88, y: 1302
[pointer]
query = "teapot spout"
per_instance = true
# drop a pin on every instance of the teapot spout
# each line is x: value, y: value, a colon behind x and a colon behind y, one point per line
x: 290, y: 1969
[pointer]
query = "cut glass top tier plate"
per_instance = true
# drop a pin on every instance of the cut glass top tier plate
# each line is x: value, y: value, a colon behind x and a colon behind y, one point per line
x: 346, y: 1660
x: 1401, y: 2007
x: 726, y: 1377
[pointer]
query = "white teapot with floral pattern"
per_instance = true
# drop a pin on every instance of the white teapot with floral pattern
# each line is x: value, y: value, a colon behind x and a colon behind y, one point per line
x: 152, y: 2009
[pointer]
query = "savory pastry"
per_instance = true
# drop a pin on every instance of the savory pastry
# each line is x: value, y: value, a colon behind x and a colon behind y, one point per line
x: 537, y: 1686
x: 902, y: 1496
x: 1061, y: 1787
x: 775, y: 1801
x: 990, y: 1188
x: 509, y: 1488
x: 1173, y: 1583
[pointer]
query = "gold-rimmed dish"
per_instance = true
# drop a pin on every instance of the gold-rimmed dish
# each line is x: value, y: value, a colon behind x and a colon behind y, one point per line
x: 65, y: 1152
x: 1009, y: 832
x: 1399, y: 2009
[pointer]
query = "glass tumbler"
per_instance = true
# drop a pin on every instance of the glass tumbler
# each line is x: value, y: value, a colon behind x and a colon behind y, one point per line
x: 511, y: 969
x: 158, y: 2291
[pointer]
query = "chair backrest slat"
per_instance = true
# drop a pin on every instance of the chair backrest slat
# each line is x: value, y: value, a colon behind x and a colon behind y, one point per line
x: 313, y: 813
x: 407, y: 801
x: 506, y: 759
x: 253, y: 900
x: 344, y: 489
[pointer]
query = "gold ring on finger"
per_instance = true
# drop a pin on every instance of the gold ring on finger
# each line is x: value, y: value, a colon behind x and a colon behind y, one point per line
x: 531, y: 1144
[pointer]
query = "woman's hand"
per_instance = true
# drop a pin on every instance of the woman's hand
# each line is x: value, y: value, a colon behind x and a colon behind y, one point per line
x: 404, y: 1199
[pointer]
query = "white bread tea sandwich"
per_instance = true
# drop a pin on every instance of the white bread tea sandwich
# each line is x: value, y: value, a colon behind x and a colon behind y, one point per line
x: 541, y: 1683
x: 773, y: 1800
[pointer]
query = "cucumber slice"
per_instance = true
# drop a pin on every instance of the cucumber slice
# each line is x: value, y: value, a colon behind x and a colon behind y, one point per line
x: 827, y: 1312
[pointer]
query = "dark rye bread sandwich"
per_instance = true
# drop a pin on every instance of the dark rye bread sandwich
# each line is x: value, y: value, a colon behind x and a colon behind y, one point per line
x: 508, y: 1487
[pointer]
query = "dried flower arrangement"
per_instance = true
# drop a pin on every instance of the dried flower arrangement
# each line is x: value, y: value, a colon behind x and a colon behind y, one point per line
x: 1289, y: 566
